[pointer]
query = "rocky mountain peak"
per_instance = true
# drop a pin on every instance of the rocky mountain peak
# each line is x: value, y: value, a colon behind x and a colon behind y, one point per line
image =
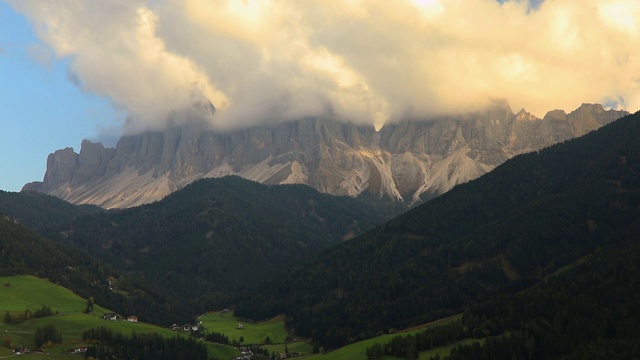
x: 590, y: 116
x: 61, y: 165
x: 557, y: 115
x: 523, y: 115
x: 404, y: 160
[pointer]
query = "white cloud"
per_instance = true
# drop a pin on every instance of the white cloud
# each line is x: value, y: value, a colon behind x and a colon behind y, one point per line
x: 363, y: 61
x: 115, y: 52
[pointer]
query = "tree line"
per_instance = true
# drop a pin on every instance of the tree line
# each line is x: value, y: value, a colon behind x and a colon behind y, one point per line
x: 110, y: 345
x: 14, y: 318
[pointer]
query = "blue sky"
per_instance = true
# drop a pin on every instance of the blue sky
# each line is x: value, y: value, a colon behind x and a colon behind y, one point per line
x: 40, y: 109
x: 74, y: 70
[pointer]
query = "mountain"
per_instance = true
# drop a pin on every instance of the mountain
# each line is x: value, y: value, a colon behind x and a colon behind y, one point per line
x: 411, y: 161
x: 534, y: 216
x: 23, y: 252
x: 216, y: 236
x: 585, y: 311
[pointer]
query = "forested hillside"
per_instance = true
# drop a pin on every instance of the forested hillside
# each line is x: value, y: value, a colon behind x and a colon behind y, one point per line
x: 39, y: 211
x: 533, y: 216
x: 24, y: 252
x: 588, y: 311
x: 216, y: 236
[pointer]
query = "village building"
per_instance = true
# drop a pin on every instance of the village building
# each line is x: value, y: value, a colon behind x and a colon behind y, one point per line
x: 110, y: 316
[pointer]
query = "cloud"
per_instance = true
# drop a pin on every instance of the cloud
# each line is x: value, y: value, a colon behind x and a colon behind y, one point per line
x: 115, y: 53
x: 363, y: 61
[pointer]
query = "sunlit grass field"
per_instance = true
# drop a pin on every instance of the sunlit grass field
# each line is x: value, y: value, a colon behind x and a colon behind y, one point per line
x: 20, y: 293
x: 252, y: 332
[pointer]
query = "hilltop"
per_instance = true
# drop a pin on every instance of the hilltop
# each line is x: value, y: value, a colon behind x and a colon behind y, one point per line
x: 204, y: 243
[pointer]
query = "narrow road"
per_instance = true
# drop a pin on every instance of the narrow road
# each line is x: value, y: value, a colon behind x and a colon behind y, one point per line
x: 20, y: 332
x: 41, y: 353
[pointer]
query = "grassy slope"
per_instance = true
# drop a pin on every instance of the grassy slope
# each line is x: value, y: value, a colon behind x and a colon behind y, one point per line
x: 227, y: 324
x: 253, y: 333
x: 18, y: 293
x: 28, y: 292
x: 357, y: 350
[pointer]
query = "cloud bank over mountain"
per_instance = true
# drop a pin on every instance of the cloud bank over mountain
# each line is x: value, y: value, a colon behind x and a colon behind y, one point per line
x: 365, y: 61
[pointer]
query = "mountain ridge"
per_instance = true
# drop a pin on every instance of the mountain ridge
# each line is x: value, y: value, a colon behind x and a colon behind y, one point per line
x: 405, y: 161
x: 215, y: 236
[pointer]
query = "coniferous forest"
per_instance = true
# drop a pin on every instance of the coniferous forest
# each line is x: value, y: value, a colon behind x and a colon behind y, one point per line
x: 216, y: 237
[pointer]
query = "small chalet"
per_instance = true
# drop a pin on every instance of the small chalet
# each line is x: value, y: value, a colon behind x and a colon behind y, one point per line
x: 240, y: 326
x: 110, y: 316
x: 19, y: 351
x: 185, y: 327
x: 132, y: 318
x: 290, y: 355
x: 78, y: 350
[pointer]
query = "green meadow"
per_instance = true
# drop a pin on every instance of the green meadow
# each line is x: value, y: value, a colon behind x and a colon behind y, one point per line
x: 255, y: 333
x: 252, y: 332
x: 20, y: 293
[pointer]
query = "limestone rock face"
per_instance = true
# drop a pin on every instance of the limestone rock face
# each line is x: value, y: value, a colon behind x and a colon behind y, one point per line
x: 61, y: 166
x: 403, y: 161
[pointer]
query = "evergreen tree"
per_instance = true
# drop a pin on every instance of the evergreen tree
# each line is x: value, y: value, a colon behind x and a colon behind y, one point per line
x: 47, y: 334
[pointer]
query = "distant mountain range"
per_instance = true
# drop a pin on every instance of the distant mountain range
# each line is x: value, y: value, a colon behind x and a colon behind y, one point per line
x: 409, y: 161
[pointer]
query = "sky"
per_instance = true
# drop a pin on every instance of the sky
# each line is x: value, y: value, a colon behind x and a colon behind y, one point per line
x: 79, y: 69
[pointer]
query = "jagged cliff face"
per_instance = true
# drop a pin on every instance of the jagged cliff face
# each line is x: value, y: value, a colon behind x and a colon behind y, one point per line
x: 403, y: 161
